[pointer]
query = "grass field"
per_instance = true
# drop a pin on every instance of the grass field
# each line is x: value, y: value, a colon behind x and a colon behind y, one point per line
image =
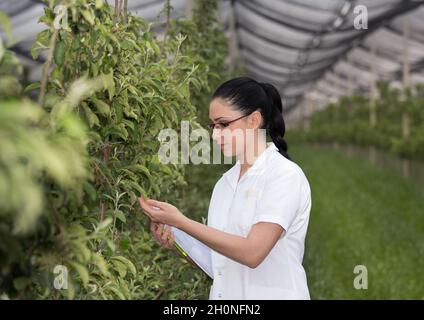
x: 361, y: 215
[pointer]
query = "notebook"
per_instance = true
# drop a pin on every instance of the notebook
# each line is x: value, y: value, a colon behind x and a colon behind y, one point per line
x: 196, y: 251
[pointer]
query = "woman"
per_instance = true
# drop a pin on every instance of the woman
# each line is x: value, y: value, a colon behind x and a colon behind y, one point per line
x: 259, y: 210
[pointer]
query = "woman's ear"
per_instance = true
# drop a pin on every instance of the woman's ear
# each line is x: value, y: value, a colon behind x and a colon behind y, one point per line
x: 255, y: 119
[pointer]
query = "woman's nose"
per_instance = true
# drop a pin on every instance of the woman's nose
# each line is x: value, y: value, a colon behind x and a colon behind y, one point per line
x: 216, y: 134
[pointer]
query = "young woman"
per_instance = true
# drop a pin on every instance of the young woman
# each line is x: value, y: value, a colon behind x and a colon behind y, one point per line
x: 259, y: 210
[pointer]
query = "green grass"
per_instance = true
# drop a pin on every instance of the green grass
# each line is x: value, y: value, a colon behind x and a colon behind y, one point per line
x: 361, y: 215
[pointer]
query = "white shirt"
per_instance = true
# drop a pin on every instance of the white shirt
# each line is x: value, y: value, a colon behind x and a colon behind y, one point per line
x: 274, y: 189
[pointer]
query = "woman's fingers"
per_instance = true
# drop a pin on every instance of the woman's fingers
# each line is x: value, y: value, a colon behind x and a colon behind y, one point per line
x: 162, y: 234
x: 148, y: 209
x: 153, y: 226
x: 151, y: 206
x: 159, y: 233
x: 166, y: 234
x: 170, y: 244
x: 156, y: 229
x: 156, y: 204
x: 153, y: 229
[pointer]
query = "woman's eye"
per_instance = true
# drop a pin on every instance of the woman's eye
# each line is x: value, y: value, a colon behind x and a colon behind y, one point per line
x: 218, y: 125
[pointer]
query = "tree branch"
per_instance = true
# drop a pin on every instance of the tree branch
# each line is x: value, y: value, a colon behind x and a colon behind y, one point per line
x: 116, y: 15
x: 125, y: 11
x: 47, y: 65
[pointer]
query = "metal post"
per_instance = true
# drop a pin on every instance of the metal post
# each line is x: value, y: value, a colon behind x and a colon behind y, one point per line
x: 406, y: 121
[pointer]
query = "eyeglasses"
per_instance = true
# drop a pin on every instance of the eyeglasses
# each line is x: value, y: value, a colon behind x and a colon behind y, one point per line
x: 222, y: 125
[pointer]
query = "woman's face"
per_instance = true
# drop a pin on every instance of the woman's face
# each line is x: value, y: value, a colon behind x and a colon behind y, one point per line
x: 231, y: 137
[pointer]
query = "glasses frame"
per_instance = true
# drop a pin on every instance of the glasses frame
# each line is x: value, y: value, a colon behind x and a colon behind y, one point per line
x: 211, y: 126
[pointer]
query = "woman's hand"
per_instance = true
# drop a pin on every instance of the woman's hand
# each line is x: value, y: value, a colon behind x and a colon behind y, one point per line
x: 163, y: 237
x: 162, y: 212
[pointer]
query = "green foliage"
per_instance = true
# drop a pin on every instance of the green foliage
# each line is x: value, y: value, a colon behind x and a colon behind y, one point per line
x: 43, y: 168
x: 362, y: 214
x: 208, y: 45
x: 348, y: 122
x: 75, y: 166
x: 9, y: 71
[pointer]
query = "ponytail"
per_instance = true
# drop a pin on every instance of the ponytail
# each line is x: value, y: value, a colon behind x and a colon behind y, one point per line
x: 275, y: 121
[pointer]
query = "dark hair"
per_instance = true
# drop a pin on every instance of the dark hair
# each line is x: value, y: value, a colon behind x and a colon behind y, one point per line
x: 248, y: 95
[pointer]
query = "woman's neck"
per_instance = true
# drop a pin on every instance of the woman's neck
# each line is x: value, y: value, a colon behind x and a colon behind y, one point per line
x: 250, y: 155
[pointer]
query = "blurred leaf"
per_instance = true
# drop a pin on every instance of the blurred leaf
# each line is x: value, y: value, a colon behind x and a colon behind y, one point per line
x: 6, y: 25
x: 82, y: 271
x: 21, y: 283
x: 127, y: 262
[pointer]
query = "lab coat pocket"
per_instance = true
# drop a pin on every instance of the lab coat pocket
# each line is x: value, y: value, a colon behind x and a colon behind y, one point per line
x: 246, y: 209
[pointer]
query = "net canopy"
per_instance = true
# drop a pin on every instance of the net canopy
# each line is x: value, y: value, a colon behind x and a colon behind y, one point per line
x: 310, y: 50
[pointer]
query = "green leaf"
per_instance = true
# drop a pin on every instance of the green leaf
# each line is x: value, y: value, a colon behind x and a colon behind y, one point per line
x: 110, y: 244
x: 99, y: 4
x: 104, y: 224
x: 90, y: 190
x: 130, y: 113
x: 102, y: 106
x: 59, y: 53
x: 75, y: 43
x: 32, y: 86
x: 82, y: 251
x: 48, y: 17
x: 140, y: 168
x: 118, y: 130
x: 135, y: 186
x: 91, y: 117
x: 41, y: 43
x: 124, y: 243
x: 100, y: 263
x: 2, y: 50
x: 120, y: 215
x: 71, y: 291
x: 117, y: 292
x: 120, y: 267
x: 144, y: 247
x: 133, y: 197
x: 125, y: 45
x: 128, y: 123
x: 6, y: 25
x: 82, y: 271
x: 109, y: 83
x: 88, y: 16
x: 127, y: 262
x: 21, y: 283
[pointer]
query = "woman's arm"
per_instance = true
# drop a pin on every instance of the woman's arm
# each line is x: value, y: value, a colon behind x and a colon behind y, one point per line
x: 250, y: 250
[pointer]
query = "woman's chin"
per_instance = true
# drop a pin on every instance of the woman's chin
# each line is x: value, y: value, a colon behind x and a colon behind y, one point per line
x: 226, y: 151
x: 231, y: 153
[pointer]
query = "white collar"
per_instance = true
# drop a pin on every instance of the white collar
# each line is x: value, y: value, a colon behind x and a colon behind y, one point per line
x: 258, y: 166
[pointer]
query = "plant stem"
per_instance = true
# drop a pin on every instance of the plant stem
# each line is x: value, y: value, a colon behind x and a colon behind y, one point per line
x: 102, y: 211
x: 106, y: 155
x: 117, y: 9
x: 168, y: 18
x: 167, y: 24
x: 160, y: 293
x: 46, y: 68
x: 125, y: 11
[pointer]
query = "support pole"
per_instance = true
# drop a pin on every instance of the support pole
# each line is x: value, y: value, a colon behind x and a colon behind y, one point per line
x: 406, y: 120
